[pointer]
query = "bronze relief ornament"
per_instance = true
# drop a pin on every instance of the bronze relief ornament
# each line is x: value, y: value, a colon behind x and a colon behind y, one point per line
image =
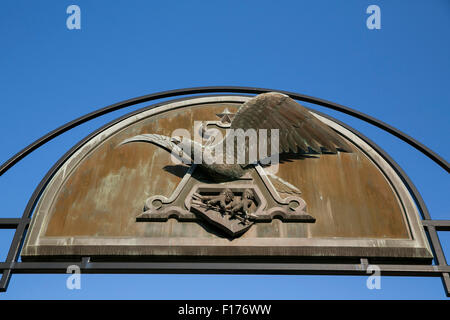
x: 234, y: 189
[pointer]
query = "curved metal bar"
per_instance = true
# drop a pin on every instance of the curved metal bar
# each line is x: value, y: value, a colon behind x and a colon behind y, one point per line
x: 23, y: 225
x: 21, y: 229
x: 199, y: 90
x: 37, y: 192
x: 402, y: 174
x: 13, y: 254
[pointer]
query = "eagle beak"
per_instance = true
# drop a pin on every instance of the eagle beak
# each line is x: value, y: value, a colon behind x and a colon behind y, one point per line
x: 175, y: 140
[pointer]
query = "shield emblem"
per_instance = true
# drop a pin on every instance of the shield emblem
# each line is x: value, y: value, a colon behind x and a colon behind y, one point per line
x: 232, y: 208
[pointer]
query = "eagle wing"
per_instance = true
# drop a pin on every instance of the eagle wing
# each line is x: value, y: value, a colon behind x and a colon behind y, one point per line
x: 299, y: 130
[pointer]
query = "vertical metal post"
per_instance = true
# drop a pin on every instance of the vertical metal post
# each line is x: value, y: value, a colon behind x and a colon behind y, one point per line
x: 439, y: 257
x: 13, y: 252
x: 21, y: 224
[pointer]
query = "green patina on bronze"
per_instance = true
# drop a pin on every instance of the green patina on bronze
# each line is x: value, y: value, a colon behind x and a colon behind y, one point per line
x: 346, y: 192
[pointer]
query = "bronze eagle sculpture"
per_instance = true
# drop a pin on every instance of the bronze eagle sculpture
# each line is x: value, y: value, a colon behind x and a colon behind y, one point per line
x: 299, y: 132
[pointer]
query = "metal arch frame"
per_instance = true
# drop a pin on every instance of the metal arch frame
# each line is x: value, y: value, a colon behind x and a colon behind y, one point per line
x: 11, y: 265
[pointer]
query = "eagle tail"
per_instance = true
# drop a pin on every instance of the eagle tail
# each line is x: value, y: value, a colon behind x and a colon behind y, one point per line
x: 282, y: 186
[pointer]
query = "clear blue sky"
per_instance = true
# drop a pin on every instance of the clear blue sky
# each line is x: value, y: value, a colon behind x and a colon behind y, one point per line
x: 50, y: 75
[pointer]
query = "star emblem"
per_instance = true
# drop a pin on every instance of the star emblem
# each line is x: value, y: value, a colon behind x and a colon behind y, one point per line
x: 226, y: 116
